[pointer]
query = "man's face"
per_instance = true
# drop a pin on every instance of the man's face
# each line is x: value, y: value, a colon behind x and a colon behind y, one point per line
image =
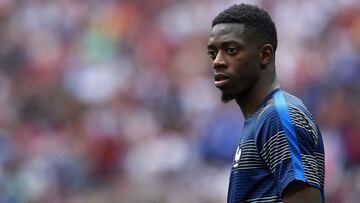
x: 234, y: 60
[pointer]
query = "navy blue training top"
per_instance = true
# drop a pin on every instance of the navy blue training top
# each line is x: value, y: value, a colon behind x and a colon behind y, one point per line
x: 280, y: 143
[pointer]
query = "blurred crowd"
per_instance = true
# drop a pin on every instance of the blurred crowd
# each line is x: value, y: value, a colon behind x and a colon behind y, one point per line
x: 113, y: 101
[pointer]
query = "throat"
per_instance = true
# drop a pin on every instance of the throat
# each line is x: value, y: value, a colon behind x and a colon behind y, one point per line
x: 249, y: 102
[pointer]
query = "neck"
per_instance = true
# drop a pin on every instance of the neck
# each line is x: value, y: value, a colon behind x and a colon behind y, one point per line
x: 250, y: 101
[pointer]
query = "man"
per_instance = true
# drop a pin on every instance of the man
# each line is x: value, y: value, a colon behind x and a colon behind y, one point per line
x: 280, y: 157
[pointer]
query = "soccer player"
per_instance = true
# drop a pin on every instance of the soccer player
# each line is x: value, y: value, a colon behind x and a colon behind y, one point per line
x: 280, y: 157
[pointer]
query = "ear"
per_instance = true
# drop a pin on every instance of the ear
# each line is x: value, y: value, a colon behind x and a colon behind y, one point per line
x: 266, y: 54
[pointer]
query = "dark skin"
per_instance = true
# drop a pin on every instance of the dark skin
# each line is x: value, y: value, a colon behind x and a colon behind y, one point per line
x: 245, y: 71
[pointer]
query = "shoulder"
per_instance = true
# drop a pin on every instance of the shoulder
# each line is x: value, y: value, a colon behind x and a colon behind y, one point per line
x: 280, y: 101
x: 287, y: 114
x: 300, y: 115
x: 283, y: 109
x: 283, y: 105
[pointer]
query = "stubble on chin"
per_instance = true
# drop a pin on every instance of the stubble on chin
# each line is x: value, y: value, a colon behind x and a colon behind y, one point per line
x: 225, y: 98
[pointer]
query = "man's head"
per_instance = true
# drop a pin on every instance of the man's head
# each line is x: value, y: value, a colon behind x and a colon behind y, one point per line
x: 259, y: 28
x: 242, y: 49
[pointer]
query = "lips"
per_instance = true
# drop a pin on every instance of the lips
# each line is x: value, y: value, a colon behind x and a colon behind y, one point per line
x: 220, y: 79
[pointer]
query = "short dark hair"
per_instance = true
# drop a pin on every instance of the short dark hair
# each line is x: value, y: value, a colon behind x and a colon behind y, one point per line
x: 258, y: 24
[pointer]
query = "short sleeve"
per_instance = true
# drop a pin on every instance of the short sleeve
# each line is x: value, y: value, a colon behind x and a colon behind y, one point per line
x: 286, y: 140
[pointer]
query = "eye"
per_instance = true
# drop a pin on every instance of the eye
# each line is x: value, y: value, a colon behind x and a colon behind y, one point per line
x: 212, y: 53
x: 231, y: 50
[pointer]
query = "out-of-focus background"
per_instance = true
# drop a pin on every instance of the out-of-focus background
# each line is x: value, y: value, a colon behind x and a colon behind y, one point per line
x: 105, y: 101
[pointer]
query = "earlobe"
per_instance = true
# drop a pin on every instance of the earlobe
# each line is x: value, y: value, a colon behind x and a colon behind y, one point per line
x: 266, y: 54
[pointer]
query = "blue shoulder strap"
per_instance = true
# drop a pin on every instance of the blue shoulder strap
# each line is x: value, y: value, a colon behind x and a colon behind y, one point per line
x: 290, y: 133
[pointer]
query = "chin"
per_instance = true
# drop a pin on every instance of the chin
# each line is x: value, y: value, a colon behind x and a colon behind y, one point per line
x: 226, y: 97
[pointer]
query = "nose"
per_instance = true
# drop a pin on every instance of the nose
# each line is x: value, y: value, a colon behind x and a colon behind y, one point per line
x: 219, y: 61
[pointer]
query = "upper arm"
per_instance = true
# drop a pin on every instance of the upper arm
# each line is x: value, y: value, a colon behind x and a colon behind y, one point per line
x: 301, y: 192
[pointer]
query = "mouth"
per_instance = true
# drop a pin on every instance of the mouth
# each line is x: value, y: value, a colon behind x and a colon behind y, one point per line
x: 220, y: 79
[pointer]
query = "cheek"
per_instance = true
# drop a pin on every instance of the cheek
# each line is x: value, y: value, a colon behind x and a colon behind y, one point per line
x: 246, y: 67
x: 247, y: 72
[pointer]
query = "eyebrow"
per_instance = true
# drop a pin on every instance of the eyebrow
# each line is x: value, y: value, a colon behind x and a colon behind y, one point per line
x: 231, y: 42
x: 226, y: 43
x: 209, y: 46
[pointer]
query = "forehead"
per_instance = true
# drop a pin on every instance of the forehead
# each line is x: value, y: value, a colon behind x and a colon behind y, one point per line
x: 227, y: 32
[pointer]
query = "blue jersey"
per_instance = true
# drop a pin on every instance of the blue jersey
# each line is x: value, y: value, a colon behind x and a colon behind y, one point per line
x: 280, y: 143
